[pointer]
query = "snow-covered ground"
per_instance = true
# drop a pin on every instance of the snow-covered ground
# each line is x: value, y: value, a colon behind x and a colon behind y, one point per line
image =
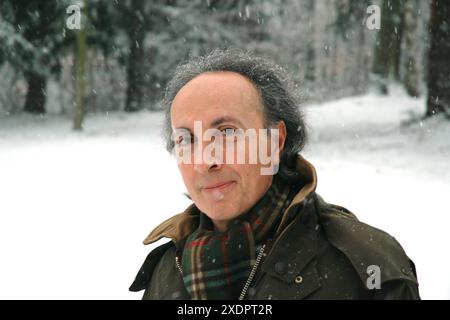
x: 75, y: 207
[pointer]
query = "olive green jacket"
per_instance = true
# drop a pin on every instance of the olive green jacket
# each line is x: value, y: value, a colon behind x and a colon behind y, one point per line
x: 324, y: 252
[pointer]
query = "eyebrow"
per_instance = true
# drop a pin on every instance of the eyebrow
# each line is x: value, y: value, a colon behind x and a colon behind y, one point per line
x: 220, y: 120
x: 217, y: 122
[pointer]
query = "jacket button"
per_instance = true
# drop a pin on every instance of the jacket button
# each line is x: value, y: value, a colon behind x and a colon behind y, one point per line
x: 298, y: 279
x: 280, y: 268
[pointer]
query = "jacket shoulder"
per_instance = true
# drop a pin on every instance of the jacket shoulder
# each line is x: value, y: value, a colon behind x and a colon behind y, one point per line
x: 366, y: 247
x: 145, y: 273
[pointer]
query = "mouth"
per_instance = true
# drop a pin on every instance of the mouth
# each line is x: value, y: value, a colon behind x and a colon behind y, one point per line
x: 220, y: 186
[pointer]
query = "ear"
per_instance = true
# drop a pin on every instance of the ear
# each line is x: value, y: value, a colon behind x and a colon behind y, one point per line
x: 282, y: 134
x: 276, y: 148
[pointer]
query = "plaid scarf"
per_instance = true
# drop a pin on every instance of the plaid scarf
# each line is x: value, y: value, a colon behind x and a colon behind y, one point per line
x: 217, y: 264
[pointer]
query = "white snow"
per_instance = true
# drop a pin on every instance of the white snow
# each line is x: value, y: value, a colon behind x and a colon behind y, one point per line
x: 75, y: 207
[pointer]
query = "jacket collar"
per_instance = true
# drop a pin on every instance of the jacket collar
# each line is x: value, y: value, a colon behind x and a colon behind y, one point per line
x: 183, y: 224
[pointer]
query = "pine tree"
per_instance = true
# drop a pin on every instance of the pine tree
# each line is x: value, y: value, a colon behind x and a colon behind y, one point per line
x: 36, y: 30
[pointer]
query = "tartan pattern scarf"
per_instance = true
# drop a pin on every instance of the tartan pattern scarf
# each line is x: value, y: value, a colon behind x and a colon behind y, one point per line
x: 217, y: 264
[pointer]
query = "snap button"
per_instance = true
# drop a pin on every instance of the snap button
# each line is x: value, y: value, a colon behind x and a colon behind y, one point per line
x: 280, y: 268
x: 298, y: 279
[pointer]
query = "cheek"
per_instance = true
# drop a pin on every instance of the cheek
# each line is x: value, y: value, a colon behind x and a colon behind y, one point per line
x: 188, y: 174
x: 253, y: 182
x: 248, y: 179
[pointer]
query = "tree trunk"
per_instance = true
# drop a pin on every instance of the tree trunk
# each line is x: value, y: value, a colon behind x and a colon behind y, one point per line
x: 310, y: 69
x: 80, y: 74
x: 388, y: 45
x: 397, y: 37
x: 135, y: 72
x: 439, y: 58
x: 411, y: 78
x: 35, y: 100
x: 359, y: 76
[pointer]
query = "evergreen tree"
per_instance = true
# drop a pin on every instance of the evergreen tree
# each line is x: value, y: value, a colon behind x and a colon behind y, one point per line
x: 31, y: 40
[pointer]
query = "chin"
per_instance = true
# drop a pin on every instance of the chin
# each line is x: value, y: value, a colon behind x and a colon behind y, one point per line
x: 218, y: 213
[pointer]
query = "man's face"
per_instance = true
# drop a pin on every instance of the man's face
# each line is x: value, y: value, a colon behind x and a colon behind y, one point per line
x: 225, y: 101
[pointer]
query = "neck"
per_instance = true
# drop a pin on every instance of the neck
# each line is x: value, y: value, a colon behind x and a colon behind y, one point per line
x: 220, y: 225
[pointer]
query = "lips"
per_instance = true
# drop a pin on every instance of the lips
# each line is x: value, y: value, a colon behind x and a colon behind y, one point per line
x: 218, y: 186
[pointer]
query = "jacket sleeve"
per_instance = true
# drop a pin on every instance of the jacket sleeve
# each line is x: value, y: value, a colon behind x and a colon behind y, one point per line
x: 398, y: 290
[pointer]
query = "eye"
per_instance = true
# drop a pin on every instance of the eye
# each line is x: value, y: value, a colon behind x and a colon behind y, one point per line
x: 228, y: 131
x: 184, y: 140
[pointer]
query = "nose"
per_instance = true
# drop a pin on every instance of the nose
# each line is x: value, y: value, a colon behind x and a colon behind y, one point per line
x: 203, y: 168
x: 210, y: 165
x: 207, y: 162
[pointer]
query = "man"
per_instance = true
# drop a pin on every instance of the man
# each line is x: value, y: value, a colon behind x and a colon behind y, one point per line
x: 256, y: 228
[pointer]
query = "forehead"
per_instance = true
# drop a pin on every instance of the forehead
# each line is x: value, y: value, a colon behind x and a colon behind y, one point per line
x: 217, y: 94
